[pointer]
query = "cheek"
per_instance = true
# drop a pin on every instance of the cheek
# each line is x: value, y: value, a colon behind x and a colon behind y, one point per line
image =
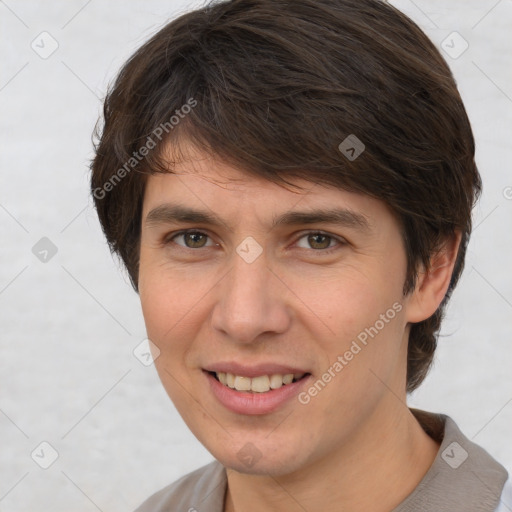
x: 154, y: 301
x: 160, y: 292
x: 167, y: 326
x: 173, y: 306
x: 162, y: 302
x: 343, y: 301
x: 360, y: 320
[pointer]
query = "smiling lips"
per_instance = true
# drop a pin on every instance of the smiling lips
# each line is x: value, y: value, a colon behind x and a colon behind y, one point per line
x: 255, y: 391
x: 256, y: 378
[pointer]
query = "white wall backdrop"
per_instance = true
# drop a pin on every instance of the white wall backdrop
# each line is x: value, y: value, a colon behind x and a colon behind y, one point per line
x: 70, y: 320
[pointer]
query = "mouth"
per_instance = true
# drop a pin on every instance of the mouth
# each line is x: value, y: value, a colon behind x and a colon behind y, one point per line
x: 257, y: 388
x: 257, y: 384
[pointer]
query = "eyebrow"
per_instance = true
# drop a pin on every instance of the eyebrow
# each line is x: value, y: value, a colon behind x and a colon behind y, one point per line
x: 174, y: 213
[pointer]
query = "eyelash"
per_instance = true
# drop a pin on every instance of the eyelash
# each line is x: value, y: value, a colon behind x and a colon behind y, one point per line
x: 170, y: 239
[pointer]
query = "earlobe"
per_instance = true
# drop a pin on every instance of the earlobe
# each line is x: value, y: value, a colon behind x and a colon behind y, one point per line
x: 432, y: 285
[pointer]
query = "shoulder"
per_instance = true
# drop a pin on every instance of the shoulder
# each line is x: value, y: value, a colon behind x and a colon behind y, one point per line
x: 202, y: 489
x: 506, y: 497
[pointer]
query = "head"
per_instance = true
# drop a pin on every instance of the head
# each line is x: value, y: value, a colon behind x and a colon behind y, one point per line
x: 243, y: 109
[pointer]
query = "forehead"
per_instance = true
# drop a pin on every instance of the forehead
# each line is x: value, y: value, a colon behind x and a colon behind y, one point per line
x: 207, y: 171
x: 207, y: 183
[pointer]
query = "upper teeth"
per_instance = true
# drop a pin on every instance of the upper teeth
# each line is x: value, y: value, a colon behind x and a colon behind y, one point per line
x: 259, y: 384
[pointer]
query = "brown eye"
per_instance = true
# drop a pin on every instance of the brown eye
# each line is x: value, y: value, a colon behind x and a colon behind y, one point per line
x: 192, y: 239
x: 318, y: 241
x: 321, y: 242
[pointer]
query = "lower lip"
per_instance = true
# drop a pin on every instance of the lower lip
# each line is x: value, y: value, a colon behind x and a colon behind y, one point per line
x: 243, y: 402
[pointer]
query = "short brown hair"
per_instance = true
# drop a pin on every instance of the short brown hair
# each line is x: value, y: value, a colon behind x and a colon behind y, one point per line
x: 277, y: 86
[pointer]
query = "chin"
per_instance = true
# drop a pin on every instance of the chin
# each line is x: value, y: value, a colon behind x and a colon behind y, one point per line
x: 267, y: 461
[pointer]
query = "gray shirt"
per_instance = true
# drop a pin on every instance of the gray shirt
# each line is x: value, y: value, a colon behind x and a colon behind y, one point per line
x: 463, y: 477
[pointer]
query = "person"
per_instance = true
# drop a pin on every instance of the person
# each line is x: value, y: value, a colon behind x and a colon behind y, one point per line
x: 290, y: 185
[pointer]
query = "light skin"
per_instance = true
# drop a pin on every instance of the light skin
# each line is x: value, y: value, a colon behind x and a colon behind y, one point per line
x: 355, y: 445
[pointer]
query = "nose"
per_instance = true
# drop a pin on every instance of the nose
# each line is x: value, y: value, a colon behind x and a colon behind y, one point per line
x: 250, y: 301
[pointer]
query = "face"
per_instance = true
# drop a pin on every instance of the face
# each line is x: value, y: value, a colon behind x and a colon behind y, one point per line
x: 247, y: 286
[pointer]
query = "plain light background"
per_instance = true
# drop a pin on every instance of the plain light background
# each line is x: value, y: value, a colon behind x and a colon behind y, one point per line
x: 69, y: 326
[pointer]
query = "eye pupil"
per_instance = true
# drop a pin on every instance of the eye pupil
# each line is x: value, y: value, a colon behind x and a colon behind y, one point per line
x: 319, y: 235
x: 194, y: 237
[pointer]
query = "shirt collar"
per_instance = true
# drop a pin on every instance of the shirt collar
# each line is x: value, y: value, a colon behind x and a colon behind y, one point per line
x: 463, y: 475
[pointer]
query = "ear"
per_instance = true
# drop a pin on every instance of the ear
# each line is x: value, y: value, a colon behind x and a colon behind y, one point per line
x: 431, y: 286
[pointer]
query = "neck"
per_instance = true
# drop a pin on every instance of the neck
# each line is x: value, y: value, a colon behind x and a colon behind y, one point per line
x: 376, y: 470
